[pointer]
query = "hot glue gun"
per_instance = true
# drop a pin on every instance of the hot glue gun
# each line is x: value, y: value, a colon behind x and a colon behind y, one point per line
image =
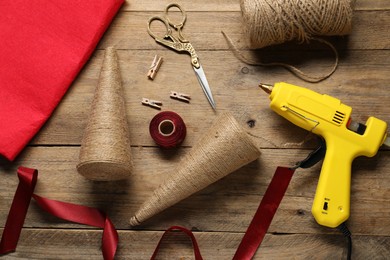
x: 345, y: 140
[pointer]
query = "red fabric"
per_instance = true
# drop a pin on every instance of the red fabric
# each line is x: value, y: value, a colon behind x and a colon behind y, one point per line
x: 67, y: 211
x: 264, y: 214
x: 43, y: 46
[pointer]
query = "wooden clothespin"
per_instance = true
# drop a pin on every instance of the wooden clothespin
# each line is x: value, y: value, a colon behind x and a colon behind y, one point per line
x: 154, y: 67
x: 152, y: 103
x: 180, y: 96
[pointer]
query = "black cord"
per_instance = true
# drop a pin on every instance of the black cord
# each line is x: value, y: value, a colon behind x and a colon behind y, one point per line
x: 344, y: 229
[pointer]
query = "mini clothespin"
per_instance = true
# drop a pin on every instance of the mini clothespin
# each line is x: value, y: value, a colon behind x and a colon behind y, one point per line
x: 152, y: 103
x: 154, y: 67
x: 180, y: 96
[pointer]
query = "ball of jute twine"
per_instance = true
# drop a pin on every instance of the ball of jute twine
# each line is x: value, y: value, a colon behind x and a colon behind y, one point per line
x: 224, y: 148
x: 271, y: 22
x: 105, y: 148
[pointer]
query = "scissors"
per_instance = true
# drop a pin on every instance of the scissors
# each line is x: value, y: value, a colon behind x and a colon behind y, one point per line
x: 181, y: 44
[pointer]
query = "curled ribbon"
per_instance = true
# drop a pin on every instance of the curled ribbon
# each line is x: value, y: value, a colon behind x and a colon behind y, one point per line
x: 260, y: 222
x: 195, y: 246
x: 67, y: 211
x: 93, y: 217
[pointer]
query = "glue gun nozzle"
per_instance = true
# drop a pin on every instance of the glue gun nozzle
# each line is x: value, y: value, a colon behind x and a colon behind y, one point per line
x: 267, y: 88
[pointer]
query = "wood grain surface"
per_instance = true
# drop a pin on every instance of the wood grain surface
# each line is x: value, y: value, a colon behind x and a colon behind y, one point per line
x: 219, y: 214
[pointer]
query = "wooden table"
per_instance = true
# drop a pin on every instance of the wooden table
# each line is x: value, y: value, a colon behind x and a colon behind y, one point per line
x: 219, y: 214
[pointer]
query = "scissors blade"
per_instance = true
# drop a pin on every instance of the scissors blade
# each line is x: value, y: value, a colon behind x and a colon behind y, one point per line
x: 204, y: 84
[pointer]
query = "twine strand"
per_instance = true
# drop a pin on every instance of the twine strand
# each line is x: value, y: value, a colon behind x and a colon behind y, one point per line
x: 294, y: 70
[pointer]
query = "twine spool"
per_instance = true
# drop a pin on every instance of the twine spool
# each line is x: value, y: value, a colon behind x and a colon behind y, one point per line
x: 167, y: 129
x: 105, y: 148
x: 224, y: 148
x: 271, y: 22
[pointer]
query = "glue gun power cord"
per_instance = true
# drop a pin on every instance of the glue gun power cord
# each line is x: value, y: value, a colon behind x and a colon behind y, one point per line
x: 344, y: 229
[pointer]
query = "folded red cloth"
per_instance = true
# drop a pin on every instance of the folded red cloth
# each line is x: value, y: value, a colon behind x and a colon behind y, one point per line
x: 43, y: 47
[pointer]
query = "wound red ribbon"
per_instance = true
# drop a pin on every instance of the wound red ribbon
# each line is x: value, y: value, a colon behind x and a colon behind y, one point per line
x: 167, y: 129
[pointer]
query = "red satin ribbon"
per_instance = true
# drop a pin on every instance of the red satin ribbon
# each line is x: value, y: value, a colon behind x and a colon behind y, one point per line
x: 260, y: 222
x: 67, y: 211
x: 263, y: 217
x: 18, y: 210
x: 198, y: 256
x: 93, y: 217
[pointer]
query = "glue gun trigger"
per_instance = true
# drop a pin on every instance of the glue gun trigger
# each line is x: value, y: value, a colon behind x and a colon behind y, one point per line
x: 314, y: 157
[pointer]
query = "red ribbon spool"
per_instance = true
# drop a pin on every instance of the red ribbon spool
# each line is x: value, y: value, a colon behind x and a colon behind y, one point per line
x: 167, y: 129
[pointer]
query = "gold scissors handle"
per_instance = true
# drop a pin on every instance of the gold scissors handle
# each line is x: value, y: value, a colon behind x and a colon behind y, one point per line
x: 180, y: 25
x: 168, y: 33
x: 179, y: 44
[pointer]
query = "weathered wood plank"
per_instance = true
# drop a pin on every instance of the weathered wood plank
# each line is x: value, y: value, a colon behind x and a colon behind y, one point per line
x: 200, y: 5
x: 361, y: 81
x: 228, y: 5
x: 372, y: 5
x: 219, y: 207
x: 83, y: 244
x: 220, y: 213
x: 203, y: 29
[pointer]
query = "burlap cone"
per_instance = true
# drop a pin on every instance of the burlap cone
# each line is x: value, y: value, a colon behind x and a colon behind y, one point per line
x: 105, y: 149
x: 224, y: 148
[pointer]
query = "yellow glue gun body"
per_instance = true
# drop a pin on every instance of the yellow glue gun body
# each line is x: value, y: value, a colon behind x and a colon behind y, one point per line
x: 329, y: 118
